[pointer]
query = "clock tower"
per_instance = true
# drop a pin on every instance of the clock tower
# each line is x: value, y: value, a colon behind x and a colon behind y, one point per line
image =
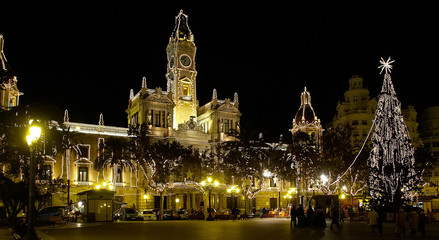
x: 181, y: 73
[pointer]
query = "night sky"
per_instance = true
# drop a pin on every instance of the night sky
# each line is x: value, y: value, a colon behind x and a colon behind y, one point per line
x: 85, y: 56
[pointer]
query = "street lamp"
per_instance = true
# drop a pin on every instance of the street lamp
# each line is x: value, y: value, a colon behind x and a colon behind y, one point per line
x: 233, y: 190
x: 32, y: 137
x: 210, y: 184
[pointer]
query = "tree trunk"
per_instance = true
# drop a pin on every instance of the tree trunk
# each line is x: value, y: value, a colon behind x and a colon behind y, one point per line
x: 161, y: 207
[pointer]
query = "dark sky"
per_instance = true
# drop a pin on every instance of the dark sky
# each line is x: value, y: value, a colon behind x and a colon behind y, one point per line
x: 85, y: 56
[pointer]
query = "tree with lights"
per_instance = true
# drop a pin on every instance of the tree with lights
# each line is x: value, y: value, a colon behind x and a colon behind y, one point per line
x: 244, y: 162
x: 392, y: 176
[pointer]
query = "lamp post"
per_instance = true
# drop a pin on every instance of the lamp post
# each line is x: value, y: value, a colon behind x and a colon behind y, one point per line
x: 210, y: 184
x: 33, y: 135
x: 233, y: 190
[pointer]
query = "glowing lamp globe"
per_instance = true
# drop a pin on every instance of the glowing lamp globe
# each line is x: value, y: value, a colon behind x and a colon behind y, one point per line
x: 34, y: 132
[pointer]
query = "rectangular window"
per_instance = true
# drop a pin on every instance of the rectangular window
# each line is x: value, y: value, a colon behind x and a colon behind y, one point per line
x: 46, y: 172
x: 272, y: 182
x: 226, y: 125
x: 119, y: 175
x: 84, y: 151
x: 83, y: 174
x: 163, y: 119
x: 157, y: 119
x: 101, y: 146
x: 364, y: 122
x: 354, y: 122
x: 186, y: 91
x: 436, y: 144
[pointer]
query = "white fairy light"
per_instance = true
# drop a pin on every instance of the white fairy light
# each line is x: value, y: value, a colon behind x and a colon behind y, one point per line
x: 391, y: 160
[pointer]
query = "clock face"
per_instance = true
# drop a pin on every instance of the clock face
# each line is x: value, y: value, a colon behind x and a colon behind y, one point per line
x: 171, y: 62
x: 185, y: 60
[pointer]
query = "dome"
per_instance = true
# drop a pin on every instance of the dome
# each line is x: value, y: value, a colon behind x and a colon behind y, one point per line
x: 306, y: 112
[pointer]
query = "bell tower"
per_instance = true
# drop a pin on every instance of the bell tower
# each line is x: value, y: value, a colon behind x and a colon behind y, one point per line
x: 181, y: 73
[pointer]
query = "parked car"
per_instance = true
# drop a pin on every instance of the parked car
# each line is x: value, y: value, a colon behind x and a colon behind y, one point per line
x: 170, y: 215
x: 127, y: 214
x: 183, y: 214
x: 148, y: 215
x: 52, y: 214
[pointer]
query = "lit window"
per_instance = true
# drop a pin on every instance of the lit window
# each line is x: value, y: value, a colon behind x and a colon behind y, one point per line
x: 82, y: 174
x: 186, y: 90
x: 47, y: 172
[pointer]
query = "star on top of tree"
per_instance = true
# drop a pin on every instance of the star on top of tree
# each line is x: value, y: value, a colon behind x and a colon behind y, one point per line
x: 385, y: 65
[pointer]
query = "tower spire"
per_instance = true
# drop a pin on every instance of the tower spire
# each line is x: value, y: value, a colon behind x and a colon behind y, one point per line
x: 181, y: 30
x: 101, y: 119
x: 66, y: 116
x: 214, y: 94
x: 144, y: 82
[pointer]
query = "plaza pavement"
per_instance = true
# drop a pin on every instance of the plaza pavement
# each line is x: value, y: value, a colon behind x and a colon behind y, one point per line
x: 224, y: 230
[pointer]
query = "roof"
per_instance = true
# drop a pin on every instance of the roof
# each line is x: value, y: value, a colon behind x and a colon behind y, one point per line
x: 181, y: 30
x: 306, y: 112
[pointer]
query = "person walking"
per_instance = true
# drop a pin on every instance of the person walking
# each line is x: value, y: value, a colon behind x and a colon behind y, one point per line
x: 351, y: 213
x: 320, y: 216
x: 335, y: 215
x: 422, y: 221
x: 293, y: 214
x: 300, y: 216
x: 401, y: 222
x: 412, y: 221
x: 372, y: 219
x: 380, y: 219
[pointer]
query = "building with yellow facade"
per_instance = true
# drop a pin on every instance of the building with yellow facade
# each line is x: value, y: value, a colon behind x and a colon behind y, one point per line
x: 173, y: 114
x: 358, y: 111
x: 429, y: 132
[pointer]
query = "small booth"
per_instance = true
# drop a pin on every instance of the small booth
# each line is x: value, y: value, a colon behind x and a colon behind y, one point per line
x: 98, y: 205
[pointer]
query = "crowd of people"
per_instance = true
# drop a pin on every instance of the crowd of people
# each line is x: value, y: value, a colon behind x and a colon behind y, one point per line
x: 408, y: 220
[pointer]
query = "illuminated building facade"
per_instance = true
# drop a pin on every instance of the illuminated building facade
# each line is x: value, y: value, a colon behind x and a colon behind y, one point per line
x: 172, y: 114
x: 429, y: 133
x: 9, y: 93
x: 358, y: 111
x: 306, y: 120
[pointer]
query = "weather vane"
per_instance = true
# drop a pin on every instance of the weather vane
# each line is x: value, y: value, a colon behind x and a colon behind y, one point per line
x: 385, y: 65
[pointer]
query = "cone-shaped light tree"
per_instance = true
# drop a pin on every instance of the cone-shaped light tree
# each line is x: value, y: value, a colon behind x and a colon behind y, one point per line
x: 392, y: 176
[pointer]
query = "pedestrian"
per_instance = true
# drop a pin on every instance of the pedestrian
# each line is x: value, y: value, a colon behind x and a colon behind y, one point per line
x: 380, y: 220
x: 351, y: 213
x: 342, y: 215
x: 372, y: 219
x: 422, y: 221
x: 320, y: 216
x: 293, y: 214
x: 412, y: 222
x: 300, y: 216
x: 334, y: 217
x: 260, y: 212
x: 400, y: 222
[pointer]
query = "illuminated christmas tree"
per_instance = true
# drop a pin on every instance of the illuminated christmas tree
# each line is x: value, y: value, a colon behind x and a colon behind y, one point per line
x: 392, y: 176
